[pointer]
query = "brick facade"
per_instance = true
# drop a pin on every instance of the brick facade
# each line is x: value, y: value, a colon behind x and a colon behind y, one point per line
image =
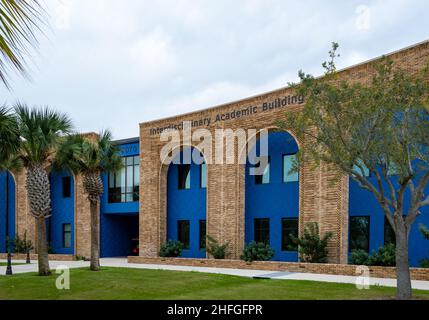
x: 323, y: 199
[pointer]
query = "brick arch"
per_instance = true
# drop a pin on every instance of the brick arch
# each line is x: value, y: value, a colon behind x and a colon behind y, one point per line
x: 241, y: 185
x: 162, y: 180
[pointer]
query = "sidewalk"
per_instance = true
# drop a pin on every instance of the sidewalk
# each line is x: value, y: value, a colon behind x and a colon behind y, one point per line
x: 122, y: 263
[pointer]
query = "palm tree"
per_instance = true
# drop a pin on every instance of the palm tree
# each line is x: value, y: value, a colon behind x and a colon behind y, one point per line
x: 41, y: 131
x: 19, y: 21
x: 90, y: 158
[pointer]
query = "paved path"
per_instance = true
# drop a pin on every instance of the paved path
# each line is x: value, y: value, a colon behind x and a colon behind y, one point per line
x: 122, y: 262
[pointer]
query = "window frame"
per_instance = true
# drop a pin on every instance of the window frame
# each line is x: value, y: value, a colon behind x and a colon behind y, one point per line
x: 259, y: 232
x: 69, y: 233
x: 282, y: 248
x: 123, y: 195
x: 283, y: 168
x: 186, y: 246
x: 369, y: 232
x: 68, y: 185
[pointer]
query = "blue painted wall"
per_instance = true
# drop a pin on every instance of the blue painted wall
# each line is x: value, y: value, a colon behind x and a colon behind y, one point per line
x: 119, y: 222
x: 363, y: 203
x: 275, y: 200
x: 11, y: 209
x: 187, y: 204
x: 62, y: 212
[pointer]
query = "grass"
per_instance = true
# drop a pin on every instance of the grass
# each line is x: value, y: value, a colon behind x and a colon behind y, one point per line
x: 122, y: 283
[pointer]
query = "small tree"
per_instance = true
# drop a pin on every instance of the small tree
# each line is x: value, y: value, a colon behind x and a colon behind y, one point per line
x: 40, y: 131
x: 90, y: 158
x: 311, y: 247
x: 218, y: 251
x: 378, y: 127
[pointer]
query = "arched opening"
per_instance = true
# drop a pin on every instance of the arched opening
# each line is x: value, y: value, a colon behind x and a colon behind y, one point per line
x: 7, y: 208
x: 272, y: 196
x: 60, y: 225
x: 187, y: 201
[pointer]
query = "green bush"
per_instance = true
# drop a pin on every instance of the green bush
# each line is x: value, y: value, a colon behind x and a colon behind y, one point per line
x: 22, y: 245
x: 384, y: 256
x: 311, y: 247
x: 171, y: 249
x: 215, y: 249
x: 257, y: 251
x: 359, y: 257
x: 424, y: 263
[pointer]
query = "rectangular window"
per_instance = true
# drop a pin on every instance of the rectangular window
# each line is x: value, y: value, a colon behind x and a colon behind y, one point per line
x: 288, y: 161
x: 264, y: 177
x: 361, y: 167
x: 262, y: 230
x: 359, y: 233
x: 66, y: 187
x: 289, y: 227
x: 67, y: 243
x: 203, y: 231
x: 183, y: 232
x: 184, y: 176
x: 124, y: 184
x: 389, y: 234
x: 203, y: 176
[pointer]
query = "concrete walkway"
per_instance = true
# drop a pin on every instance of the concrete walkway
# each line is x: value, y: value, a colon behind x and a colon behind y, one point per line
x: 122, y: 262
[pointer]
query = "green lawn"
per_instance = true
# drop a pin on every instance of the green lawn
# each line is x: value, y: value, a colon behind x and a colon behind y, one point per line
x: 121, y: 283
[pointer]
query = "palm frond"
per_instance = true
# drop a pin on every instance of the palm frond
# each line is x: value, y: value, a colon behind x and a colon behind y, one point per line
x: 9, y: 135
x: 20, y: 21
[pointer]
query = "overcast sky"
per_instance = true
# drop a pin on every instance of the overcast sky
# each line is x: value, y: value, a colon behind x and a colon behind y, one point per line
x: 113, y: 64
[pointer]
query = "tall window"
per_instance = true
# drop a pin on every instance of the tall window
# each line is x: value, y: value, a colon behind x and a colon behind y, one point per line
x: 66, y: 181
x: 124, y: 184
x: 288, y: 161
x: 184, y: 176
x: 203, y: 233
x: 183, y: 233
x: 389, y: 234
x: 203, y: 176
x: 359, y: 233
x: 262, y: 230
x: 289, y: 227
x: 263, y: 178
x: 67, y: 235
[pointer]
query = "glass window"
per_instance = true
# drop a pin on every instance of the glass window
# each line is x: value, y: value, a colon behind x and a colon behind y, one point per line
x: 184, y: 176
x: 67, y: 243
x: 262, y: 230
x: 289, y: 227
x: 66, y: 187
x: 203, y: 176
x: 389, y: 234
x: 124, y: 184
x: 359, y: 233
x: 183, y: 230
x: 357, y: 169
x: 203, y: 231
x: 263, y: 178
x: 288, y: 161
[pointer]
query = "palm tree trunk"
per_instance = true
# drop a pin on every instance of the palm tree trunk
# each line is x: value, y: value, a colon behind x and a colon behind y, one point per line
x: 403, y: 278
x: 95, y: 237
x: 42, y: 248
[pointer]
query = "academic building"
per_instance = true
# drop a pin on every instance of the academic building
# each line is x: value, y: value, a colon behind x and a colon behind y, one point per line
x: 155, y: 199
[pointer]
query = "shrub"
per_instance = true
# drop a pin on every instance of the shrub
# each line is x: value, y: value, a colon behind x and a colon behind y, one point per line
x: 22, y: 245
x: 257, y: 251
x: 215, y: 249
x: 424, y: 263
x: 311, y: 247
x: 171, y: 249
x: 359, y: 257
x: 384, y: 256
